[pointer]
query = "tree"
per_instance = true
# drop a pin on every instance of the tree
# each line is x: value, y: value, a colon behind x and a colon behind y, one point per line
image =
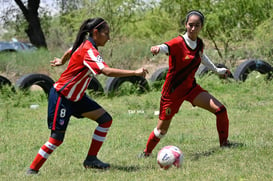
x: 34, y: 29
x: 227, y: 21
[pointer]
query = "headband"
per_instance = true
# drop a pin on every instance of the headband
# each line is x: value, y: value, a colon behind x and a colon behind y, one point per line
x: 194, y: 12
x: 99, y: 24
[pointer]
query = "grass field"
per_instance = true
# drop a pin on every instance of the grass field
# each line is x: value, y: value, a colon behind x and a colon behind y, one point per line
x: 249, y: 104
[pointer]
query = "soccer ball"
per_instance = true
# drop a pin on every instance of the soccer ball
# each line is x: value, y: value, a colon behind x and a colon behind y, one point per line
x: 168, y: 156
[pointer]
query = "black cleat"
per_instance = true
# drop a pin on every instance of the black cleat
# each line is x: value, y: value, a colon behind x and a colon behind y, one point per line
x: 144, y: 155
x: 32, y: 172
x: 228, y: 144
x: 94, y: 162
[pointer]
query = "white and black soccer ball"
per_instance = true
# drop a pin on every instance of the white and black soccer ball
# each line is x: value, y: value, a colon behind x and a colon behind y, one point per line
x: 168, y: 156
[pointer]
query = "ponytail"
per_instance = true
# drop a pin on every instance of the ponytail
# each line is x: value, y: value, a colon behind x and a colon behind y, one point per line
x: 87, y: 27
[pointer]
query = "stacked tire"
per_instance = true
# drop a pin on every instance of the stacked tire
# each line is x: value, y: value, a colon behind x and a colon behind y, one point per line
x: 248, y: 66
x: 4, y: 82
x: 27, y: 81
x: 114, y: 83
x: 45, y: 82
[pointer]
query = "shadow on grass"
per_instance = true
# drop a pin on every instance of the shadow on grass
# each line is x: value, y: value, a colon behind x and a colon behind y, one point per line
x: 198, y: 155
x: 125, y: 168
x: 132, y: 168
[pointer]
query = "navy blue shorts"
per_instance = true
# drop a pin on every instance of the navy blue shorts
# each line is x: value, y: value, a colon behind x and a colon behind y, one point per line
x: 61, y: 109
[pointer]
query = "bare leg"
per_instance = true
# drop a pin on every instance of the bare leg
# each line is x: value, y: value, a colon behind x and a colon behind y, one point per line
x: 163, y: 126
x: 155, y: 136
x: 208, y: 102
x: 94, y: 115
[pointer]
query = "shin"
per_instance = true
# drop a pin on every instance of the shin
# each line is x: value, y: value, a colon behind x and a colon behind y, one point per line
x: 222, y: 123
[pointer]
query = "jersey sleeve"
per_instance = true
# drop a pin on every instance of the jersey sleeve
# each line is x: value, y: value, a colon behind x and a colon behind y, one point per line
x: 94, y: 61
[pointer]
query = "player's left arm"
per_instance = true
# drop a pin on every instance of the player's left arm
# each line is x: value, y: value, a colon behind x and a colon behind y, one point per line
x: 114, y: 72
x: 208, y: 63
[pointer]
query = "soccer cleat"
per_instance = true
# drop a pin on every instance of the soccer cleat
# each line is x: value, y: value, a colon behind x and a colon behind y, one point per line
x: 94, y: 162
x: 225, y: 144
x: 144, y: 155
x: 32, y: 172
x: 229, y: 144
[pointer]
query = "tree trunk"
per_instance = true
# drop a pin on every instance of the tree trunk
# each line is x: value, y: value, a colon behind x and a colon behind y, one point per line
x: 34, y: 29
x: 35, y: 32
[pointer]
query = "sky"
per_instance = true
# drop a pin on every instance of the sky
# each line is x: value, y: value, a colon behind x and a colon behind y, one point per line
x: 51, y: 4
x: 5, y: 4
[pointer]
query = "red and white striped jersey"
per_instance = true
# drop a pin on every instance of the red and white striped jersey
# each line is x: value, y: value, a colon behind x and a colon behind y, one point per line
x: 84, y: 63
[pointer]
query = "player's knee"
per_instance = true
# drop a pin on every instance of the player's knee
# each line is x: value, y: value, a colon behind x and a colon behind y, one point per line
x: 160, y: 133
x: 220, y: 110
x: 58, y: 135
x: 105, y: 118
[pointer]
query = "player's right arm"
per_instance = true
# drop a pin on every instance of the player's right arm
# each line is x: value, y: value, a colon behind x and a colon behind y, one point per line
x: 163, y: 48
x: 61, y: 61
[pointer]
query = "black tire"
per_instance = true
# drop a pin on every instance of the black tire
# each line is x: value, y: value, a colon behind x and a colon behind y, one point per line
x: 95, y: 85
x: 203, y: 70
x: 26, y: 81
x: 249, y: 66
x: 113, y: 83
x: 159, y: 74
x: 4, y: 82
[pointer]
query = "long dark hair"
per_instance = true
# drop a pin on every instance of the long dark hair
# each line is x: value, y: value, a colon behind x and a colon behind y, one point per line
x: 87, y: 27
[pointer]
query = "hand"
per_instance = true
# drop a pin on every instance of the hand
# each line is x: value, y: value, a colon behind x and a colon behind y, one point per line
x: 155, y: 50
x: 56, y: 62
x: 226, y: 74
x: 141, y: 72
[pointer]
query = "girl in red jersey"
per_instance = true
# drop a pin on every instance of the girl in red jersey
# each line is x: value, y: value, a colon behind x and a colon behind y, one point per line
x: 67, y: 97
x: 185, y: 55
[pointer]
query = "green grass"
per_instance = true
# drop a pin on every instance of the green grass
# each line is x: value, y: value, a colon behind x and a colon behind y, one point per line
x: 249, y: 104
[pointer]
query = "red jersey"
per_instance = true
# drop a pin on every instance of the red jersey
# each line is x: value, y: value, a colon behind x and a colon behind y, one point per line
x: 183, y: 63
x: 84, y: 63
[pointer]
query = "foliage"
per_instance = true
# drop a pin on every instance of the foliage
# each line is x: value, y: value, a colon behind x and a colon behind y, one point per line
x: 264, y: 39
x: 15, y: 23
x: 231, y: 30
x: 18, y: 25
x: 155, y: 24
x: 226, y: 21
x: 232, y: 21
x: 14, y: 65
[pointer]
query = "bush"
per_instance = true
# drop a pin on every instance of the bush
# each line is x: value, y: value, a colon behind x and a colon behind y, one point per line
x: 264, y: 39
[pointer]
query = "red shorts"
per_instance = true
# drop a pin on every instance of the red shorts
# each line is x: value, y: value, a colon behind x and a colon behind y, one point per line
x: 170, y: 106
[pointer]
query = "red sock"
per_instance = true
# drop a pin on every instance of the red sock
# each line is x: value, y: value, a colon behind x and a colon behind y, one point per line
x: 44, y: 152
x: 98, y: 138
x: 222, y: 124
x: 151, y: 143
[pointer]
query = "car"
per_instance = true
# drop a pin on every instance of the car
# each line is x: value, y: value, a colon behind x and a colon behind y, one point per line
x: 15, y: 46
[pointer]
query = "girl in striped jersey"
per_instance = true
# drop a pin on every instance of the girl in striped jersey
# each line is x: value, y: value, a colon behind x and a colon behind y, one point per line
x: 67, y: 97
x: 185, y: 55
